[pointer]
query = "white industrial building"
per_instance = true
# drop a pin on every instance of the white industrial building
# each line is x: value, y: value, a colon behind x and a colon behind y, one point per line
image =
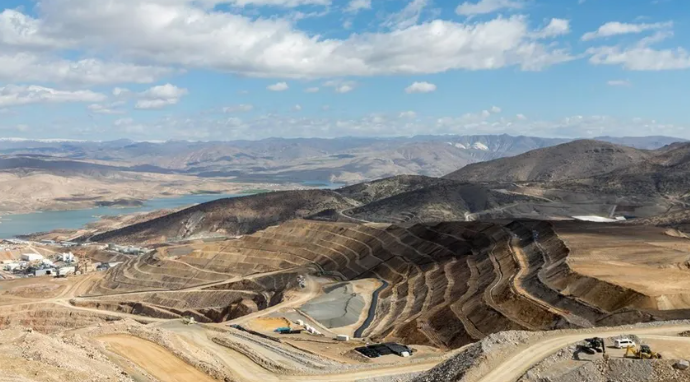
x: 64, y: 271
x: 11, y: 266
x: 66, y: 257
x: 31, y: 257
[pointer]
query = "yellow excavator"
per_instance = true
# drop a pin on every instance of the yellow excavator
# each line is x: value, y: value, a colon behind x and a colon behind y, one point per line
x: 645, y: 352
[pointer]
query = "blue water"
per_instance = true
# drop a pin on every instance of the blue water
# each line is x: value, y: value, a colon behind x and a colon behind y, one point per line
x: 13, y: 225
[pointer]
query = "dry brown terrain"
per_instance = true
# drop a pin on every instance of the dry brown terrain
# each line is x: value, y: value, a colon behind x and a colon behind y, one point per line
x: 23, y: 193
x: 448, y: 285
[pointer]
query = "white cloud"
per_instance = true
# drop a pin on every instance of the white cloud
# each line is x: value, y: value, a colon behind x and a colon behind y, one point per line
x: 408, y: 114
x: 159, y: 97
x: 420, y: 87
x: 275, y: 3
x: 121, y: 92
x: 556, y: 27
x: 29, y: 67
x: 495, y: 109
x: 242, y: 108
x: 312, y: 90
x: 11, y: 95
x: 297, y: 108
x: 110, y: 108
x: 278, y: 87
x: 340, y: 86
x: 487, y: 6
x: 344, y: 89
x: 521, y: 117
x: 355, y: 6
x: 615, y: 28
x: 408, y: 16
x: 185, y: 34
x: 619, y: 83
x: 641, y: 57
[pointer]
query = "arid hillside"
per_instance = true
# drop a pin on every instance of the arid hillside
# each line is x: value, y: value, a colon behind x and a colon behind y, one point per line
x: 574, y: 160
x: 229, y: 217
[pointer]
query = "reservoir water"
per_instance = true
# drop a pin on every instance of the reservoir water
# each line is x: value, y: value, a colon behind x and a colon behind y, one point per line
x: 13, y: 225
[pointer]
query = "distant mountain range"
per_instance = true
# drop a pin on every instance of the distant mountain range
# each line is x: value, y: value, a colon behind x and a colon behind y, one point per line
x: 574, y: 179
x: 340, y: 160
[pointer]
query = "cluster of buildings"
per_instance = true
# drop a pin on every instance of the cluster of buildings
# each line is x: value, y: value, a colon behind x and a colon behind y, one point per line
x: 126, y: 250
x: 34, y: 264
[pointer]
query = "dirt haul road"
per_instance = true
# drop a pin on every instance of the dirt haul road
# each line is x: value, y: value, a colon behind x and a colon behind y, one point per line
x: 511, y: 369
x: 155, y: 359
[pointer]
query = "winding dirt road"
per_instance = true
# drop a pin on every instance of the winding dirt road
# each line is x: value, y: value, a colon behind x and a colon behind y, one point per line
x: 512, y: 368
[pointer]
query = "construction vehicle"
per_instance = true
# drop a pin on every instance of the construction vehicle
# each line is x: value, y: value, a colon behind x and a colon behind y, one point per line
x: 596, y: 344
x: 188, y: 320
x: 645, y: 352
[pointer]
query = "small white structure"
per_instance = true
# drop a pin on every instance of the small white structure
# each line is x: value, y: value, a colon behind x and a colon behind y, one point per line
x: 64, y: 271
x: 300, y: 322
x: 405, y: 354
x: 11, y: 266
x: 66, y: 257
x: 31, y: 257
x: 342, y: 337
x: 47, y: 262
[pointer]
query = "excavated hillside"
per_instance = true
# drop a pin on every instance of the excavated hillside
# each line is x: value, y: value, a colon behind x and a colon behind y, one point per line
x: 229, y: 217
x: 574, y: 160
x: 449, y: 284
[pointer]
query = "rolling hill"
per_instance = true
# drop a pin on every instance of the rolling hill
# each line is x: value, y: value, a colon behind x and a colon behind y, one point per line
x: 573, y: 160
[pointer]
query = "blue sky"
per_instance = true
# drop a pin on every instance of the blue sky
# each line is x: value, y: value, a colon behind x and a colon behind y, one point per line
x: 251, y: 69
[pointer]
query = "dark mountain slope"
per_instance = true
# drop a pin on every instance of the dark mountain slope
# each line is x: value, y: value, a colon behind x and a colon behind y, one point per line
x: 368, y: 192
x: 667, y: 173
x: 578, y: 159
x: 229, y: 217
x: 443, y: 201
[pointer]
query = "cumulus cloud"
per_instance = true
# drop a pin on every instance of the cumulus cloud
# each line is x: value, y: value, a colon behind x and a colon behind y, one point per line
x: 297, y: 107
x: 109, y: 108
x: 159, y: 97
x: 420, y: 87
x: 487, y: 6
x: 242, y: 108
x: 408, y: 114
x: 340, y: 86
x: 312, y: 90
x: 495, y: 109
x: 12, y: 95
x: 278, y: 87
x: 355, y: 6
x: 641, y: 56
x: 29, y: 67
x: 615, y: 28
x: 383, y: 125
x: 184, y: 33
x: 556, y: 27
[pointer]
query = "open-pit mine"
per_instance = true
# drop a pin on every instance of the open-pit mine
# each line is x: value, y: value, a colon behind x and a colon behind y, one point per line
x: 310, y: 300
